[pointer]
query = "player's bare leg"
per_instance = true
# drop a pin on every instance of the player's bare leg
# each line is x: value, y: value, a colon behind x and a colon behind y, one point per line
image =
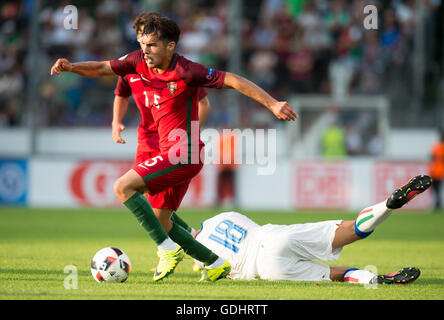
x: 345, y: 234
x: 367, y: 220
x: 128, y: 184
x: 337, y: 273
x: 164, y: 216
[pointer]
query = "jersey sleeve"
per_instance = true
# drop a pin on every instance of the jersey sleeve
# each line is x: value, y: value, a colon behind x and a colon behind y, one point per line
x: 202, y: 93
x: 123, y: 88
x: 126, y: 64
x: 197, y: 75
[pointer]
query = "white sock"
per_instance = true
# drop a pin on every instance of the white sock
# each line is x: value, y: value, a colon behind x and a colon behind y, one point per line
x: 216, y: 264
x: 370, y: 218
x: 167, y: 244
x: 358, y: 276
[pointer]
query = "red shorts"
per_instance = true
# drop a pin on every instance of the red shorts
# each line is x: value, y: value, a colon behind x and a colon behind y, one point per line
x: 170, y: 198
x: 167, y: 182
x: 147, y: 148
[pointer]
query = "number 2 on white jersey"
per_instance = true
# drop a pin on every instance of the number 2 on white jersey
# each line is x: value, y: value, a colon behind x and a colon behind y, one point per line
x: 233, y: 234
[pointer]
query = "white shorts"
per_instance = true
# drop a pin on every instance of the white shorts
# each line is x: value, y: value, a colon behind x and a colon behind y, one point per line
x: 286, y: 252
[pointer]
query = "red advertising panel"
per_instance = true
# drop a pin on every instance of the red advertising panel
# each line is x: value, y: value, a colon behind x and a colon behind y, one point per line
x: 389, y: 175
x: 322, y: 184
x: 92, y: 181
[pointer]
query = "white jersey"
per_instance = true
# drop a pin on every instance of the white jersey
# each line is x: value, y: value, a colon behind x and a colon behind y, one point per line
x: 271, y: 252
x: 233, y: 236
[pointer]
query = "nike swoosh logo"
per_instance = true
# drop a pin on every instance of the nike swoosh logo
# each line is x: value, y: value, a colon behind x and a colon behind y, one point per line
x: 134, y: 79
x: 145, y: 78
x: 227, y: 270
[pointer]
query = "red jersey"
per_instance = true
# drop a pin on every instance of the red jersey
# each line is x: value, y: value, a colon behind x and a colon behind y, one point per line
x: 172, y: 97
x: 147, y: 135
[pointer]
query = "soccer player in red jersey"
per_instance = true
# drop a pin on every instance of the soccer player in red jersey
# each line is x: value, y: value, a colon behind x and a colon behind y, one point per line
x: 147, y: 135
x: 172, y: 82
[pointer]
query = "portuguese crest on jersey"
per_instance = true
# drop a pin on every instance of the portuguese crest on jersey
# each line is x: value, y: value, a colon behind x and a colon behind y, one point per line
x: 172, y: 87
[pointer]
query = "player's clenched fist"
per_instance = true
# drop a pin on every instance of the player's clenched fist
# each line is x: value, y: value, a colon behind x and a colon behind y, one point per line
x: 116, y: 130
x: 61, y: 65
x: 282, y: 110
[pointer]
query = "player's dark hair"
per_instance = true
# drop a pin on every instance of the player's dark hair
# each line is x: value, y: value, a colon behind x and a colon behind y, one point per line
x: 142, y: 19
x: 165, y: 28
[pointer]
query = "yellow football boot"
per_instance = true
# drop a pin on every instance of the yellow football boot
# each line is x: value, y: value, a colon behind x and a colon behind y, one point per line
x: 168, y: 261
x: 216, y: 273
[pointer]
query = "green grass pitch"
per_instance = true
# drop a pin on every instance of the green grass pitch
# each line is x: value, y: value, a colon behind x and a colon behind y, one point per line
x: 37, y: 244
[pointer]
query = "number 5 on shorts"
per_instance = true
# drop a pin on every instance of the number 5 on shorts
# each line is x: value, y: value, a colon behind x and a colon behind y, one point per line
x: 150, y: 162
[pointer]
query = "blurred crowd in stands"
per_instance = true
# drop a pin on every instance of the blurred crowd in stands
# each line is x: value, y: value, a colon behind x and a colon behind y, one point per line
x: 288, y: 47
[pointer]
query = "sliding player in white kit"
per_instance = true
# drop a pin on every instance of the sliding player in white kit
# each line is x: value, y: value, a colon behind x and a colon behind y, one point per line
x: 281, y: 252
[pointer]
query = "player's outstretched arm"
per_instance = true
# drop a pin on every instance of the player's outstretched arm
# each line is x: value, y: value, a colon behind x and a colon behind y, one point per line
x: 281, y: 109
x: 88, y: 69
x: 120, y: 107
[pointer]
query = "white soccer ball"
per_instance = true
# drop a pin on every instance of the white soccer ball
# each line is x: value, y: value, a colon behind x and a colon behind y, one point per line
x: 110, y: 265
